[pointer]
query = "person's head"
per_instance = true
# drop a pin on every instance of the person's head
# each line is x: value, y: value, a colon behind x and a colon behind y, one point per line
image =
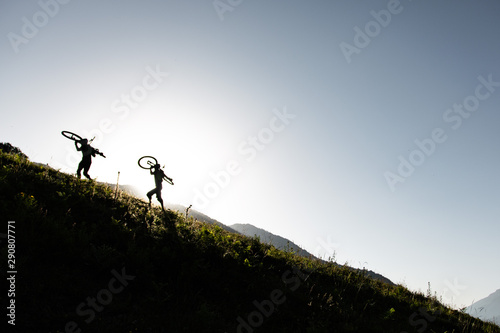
x: 84, y: 141
x: 157, y: 166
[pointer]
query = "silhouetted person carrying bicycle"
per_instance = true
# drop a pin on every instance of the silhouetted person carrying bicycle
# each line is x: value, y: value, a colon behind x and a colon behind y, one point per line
x: 159, y: 176
x: 88, y: 152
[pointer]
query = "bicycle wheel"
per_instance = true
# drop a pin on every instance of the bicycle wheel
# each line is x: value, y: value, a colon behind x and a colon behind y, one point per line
x: 71, y: 135
x: 171, y: 182
x: 146, y: 162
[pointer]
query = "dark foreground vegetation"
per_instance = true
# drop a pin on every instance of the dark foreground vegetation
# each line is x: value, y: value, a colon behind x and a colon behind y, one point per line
x: 89, y: 262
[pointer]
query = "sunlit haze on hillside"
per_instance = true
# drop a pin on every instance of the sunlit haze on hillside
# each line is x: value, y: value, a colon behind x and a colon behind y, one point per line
x: 365, y: 131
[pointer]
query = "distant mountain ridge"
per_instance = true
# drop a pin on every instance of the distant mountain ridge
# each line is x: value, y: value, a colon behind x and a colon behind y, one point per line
x: 269, y: 238
x: 125, y: 188
x: 487, y: 309
x: 287, y: 245
x: 199, y: 216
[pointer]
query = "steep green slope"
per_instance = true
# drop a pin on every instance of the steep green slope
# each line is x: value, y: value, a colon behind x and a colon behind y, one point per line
x: 89, y: 263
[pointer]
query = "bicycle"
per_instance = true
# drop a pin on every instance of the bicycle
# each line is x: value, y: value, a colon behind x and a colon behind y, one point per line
x: 77, y: 138
x: 148, y: 162
x: 71, y: 136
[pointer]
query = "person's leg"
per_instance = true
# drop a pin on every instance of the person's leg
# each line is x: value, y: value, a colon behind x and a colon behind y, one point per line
x: 158, y: 196
x: 86, y: 168
x: 150, y: 194
x: 79, y: 171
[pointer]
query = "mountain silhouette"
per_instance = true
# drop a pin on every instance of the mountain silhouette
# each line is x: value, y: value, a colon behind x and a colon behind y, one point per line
x: 269, y: 238
x: 487, y: 309
x: 287, y: 245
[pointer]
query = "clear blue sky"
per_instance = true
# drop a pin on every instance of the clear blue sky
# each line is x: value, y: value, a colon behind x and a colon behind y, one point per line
x: 368, y: 128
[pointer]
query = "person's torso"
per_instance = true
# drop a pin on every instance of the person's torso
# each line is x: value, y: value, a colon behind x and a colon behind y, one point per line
x: 158, y: 177
x: 87, y: 150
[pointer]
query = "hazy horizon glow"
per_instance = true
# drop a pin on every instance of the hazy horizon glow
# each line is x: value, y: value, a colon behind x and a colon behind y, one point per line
x: 368, y: 130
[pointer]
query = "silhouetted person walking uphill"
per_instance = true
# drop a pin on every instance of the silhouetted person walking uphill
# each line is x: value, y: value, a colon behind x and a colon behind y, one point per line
x: 88, y: 152
x: 158, y: 174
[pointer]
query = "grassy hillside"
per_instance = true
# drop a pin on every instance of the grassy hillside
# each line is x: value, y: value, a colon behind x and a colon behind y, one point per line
x: 87, y: 262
